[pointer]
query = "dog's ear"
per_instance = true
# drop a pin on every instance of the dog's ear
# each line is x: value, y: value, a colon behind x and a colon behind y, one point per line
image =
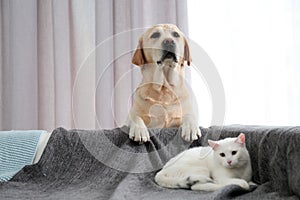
x: 138, y: 56
x: 187, y: 55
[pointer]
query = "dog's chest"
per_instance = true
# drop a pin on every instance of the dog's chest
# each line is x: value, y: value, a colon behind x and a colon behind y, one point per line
x: 162, y: 109
x: 163, y: 116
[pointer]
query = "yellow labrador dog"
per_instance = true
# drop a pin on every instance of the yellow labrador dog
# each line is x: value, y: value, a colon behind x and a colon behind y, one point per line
x: 162, y: 99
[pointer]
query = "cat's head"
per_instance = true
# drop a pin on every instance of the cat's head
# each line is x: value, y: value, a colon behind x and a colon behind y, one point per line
x: 230, y: 152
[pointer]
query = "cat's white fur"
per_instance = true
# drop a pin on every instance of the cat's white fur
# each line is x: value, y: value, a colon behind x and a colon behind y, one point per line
x: 204, y: 168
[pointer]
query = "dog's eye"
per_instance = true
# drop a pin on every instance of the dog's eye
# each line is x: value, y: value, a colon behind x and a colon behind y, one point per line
x: 175, y: 34
x: 222, y: 154
x: 155, y: 35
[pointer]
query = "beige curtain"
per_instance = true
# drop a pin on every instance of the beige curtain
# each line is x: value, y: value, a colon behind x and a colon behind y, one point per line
x: 51, y: 72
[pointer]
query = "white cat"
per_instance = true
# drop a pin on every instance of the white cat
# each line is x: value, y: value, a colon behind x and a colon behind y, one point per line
x: 210, y: 168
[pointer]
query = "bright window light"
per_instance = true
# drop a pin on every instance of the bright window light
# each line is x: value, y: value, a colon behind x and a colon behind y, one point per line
x: 255, y: 46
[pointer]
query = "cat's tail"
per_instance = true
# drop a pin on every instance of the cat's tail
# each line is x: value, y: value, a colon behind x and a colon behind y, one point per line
x: 166, y: 180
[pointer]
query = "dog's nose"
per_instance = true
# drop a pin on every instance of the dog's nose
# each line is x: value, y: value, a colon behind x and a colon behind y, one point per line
x: 168, y: 42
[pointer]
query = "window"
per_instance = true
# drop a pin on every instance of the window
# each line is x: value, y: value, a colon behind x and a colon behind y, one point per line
x: 255, y: 46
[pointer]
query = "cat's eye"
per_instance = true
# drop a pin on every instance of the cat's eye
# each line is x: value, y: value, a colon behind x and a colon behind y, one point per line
x: 175, y: 34
x: 233, y: 152
x: 222, y: 154
x: 155, y: 35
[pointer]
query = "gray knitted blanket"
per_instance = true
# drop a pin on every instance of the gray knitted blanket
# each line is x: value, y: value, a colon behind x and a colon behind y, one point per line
x: 105, y: 164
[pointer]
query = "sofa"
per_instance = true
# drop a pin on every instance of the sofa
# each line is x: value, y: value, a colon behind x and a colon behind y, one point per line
x: 105, y: 164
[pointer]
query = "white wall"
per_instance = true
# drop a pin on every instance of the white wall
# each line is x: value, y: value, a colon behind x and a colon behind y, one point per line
x: 255, y: 46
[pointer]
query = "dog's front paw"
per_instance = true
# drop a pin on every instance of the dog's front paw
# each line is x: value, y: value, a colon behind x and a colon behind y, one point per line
x: 190, y: 131
x: 139, y: 133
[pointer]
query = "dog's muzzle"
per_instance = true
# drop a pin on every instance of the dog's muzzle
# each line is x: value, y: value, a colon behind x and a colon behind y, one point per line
x: 168, y: 50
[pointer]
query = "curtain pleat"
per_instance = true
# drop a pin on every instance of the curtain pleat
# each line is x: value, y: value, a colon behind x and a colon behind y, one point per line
x: 68, y: 63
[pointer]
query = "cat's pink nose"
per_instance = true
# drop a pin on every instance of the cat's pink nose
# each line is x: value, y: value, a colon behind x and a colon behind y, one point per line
x: 229, y: 162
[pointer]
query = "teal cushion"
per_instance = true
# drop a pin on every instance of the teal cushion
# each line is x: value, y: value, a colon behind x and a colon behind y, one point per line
x: 17, y: 149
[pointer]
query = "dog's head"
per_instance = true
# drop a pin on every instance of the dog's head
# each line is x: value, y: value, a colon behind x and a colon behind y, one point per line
x: 160, y: 44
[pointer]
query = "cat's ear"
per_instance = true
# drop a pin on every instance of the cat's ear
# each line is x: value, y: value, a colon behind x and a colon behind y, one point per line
x: 213, y: 144
x: 240, y: 139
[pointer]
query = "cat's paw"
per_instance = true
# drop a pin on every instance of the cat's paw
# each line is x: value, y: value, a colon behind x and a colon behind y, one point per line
x: 243, y: 184
x: 190, y: 131
x: 252, y: 183
x: 234, y: 181
x: 209, y: 187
